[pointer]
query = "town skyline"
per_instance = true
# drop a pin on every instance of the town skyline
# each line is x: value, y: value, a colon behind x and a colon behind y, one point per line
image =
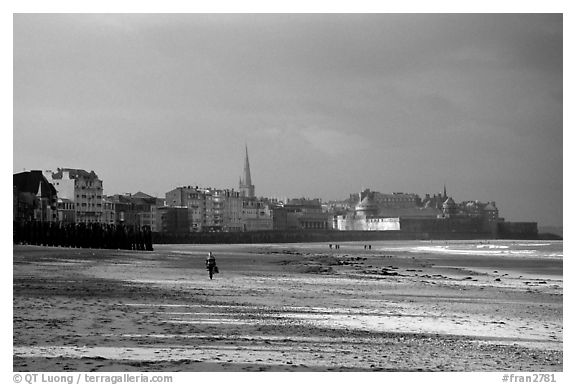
x: 327, y: 104
x: 244, y: 183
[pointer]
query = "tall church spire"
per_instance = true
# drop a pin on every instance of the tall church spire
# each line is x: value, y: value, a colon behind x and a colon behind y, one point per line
x: 246, y: 187
x: 247, y: 177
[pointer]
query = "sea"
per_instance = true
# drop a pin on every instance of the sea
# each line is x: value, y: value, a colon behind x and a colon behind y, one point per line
x: 552, y: 249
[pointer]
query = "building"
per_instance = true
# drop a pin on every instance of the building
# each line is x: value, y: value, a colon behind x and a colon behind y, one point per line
x: 82, y: 188
x: 34, y: 197
x: 209, y: 209
x: 400, y: 211
x: 486, y: 213
x: 173, y: 220
x: 435, y: 201
x: 136, y: 210
x: 215, y: 210
x: 255, y: 215
x: 398, y: 204
x: 66, y: 211
x: 245, y: 186
x: 109, y: 211
x: 397, y: 200
x: 197, y: 201
x: 434, y: 214
x: 366, y: 216
x: 122, y: 210
x: 300, y: 214
x: 231, y: 204
x: 146, y: 208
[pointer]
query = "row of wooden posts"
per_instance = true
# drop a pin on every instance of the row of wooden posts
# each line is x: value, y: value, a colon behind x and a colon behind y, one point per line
x: 85, y: 235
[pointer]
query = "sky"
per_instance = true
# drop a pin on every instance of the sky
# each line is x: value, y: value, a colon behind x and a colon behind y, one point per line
x: 327, y: 104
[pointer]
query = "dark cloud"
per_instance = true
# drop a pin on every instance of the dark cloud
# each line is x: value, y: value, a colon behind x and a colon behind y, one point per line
x: 388, y: 101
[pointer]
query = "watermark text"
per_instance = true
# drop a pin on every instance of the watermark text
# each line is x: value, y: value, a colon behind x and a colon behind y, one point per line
x: 89, y: 378
x: 533, y: 377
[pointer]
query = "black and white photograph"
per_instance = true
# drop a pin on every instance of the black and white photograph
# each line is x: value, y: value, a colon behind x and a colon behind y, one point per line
x: 287, y: 192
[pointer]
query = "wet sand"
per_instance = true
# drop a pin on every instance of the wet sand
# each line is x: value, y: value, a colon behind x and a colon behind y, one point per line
x: 299, y: 307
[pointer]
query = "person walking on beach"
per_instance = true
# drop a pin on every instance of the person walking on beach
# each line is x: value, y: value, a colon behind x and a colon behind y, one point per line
x: 211, y: 264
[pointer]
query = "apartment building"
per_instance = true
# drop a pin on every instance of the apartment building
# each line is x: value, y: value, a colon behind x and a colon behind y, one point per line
x: 84, y: 189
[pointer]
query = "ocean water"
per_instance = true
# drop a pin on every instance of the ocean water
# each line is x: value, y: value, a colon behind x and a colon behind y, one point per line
x: 508, y: 248
x: 505, y: 248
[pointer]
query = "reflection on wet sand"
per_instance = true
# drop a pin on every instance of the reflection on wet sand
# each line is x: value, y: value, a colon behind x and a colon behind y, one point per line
x: 290, y: 307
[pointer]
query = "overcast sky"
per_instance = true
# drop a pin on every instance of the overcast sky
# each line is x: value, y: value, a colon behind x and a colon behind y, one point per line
x: 327, y: 104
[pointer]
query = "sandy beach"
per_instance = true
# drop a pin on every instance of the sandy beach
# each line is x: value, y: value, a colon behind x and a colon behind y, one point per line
x: 401, y: 306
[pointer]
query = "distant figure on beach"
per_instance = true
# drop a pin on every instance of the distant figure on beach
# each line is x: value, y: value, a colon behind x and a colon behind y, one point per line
x: 330, y: 245
x: 369, y: 247
x: 211, y: 264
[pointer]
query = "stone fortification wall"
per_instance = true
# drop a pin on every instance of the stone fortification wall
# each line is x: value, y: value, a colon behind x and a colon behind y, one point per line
x: 328, y: 236
x: 351, y: 223
x: 443, y: 225
x: 518, y: 230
